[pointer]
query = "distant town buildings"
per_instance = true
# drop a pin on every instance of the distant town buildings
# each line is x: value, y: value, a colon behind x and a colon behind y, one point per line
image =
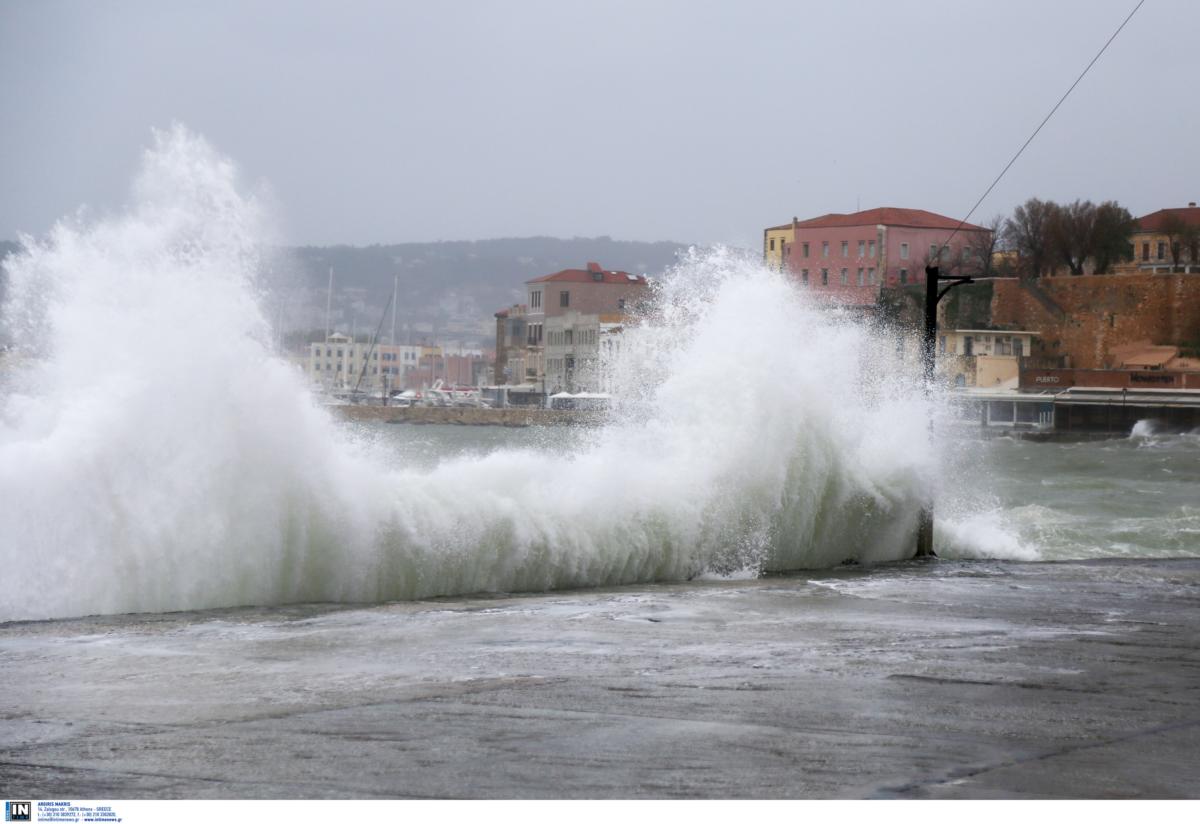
x: 554, y: 342
x: 1023, y: 325
x: 340, y: 364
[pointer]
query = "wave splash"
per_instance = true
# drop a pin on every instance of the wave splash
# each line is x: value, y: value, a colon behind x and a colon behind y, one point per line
x: 155, y: 455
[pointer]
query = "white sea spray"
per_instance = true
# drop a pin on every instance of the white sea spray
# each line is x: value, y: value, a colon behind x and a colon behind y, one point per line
x: 156, y: 455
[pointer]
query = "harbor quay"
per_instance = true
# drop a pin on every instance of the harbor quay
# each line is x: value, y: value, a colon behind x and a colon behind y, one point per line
x: 914, y: 680
x: 467, y: 416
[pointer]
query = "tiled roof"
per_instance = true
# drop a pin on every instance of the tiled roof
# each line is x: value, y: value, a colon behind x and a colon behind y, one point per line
x: 589, y: 275
x: 888, y: 216
x: 1154, y: 221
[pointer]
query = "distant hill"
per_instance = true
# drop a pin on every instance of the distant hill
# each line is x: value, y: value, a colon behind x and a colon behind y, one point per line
x: 448, y: 285
x: 449, y: 290
x: 493, y: 271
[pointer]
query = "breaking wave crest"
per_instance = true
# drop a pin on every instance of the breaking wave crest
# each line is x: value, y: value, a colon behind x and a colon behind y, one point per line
x: 155, y: 455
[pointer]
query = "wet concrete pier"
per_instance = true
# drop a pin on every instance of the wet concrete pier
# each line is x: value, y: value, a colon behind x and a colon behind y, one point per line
x: 934, y: 680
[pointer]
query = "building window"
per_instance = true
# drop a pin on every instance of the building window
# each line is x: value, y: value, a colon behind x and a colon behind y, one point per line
x: 862, y: 247
x: 860, y: 277
x: 803, y: 250
x: 804, y: 276
x: 1145, y: 251
x: 1162, y: 250
x: 329, y: 353
x: 564, y: 298
x: 871, y: 276
x: 621, y: 304
x: 942, y: 345
x: 904, y: 251
x: 771, y: 245
x: 903, y: 276
x: 824, y: 248
x: 787, y: 250
x: 845, y: 277
x: 339, y: 353
x: 871, y: 248
x: 966, y: 254
x: 845, y: 248
x: 824, y: 277
x: 535, y: 299
x: 933, y: 253
x: 317, y: 367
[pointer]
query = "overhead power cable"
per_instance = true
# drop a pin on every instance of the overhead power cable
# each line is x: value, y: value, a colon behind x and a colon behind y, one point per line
x: 1046, y: 120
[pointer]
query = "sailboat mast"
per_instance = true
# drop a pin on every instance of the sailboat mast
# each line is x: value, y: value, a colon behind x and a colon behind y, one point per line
x: 395, y: 296
x: 328, y: 303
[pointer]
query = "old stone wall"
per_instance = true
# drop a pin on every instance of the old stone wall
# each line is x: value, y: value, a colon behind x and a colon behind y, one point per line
x: 1100, y: 312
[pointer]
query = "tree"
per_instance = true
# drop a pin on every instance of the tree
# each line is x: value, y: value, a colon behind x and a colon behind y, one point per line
x: 1113, y: 228
x: 983, y: 247
x: 1028, y: 232
x: 1073, y: 233
x: 1181, y: 237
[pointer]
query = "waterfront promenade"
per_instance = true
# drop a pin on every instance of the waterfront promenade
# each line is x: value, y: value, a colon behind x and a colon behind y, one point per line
x: 932, y: 680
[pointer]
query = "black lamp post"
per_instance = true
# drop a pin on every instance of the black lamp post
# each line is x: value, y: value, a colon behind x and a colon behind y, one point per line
x: 929, y: 361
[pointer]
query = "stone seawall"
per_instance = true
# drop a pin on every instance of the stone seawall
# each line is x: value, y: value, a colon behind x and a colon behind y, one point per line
x: 467, y: 416
x: 1102, y: 311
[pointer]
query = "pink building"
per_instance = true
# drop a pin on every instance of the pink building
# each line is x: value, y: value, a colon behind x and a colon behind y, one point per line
x: 849, y: 258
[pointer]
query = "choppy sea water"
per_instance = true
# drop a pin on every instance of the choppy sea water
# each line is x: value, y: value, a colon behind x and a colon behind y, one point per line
x: 1134, y: 497
x: 1008, y: 499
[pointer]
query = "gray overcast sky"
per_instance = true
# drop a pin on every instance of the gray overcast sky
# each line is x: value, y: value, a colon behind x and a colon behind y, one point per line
x: 378, y: 122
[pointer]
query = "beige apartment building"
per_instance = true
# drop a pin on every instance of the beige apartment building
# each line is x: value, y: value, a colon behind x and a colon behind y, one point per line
x: 983, y: 357
x: 564, y: 302
x: 1162, y: 238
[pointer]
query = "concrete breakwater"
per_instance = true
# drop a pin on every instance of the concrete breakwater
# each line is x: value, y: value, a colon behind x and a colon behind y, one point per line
x: 469, y: 416
x: 940, y: 680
